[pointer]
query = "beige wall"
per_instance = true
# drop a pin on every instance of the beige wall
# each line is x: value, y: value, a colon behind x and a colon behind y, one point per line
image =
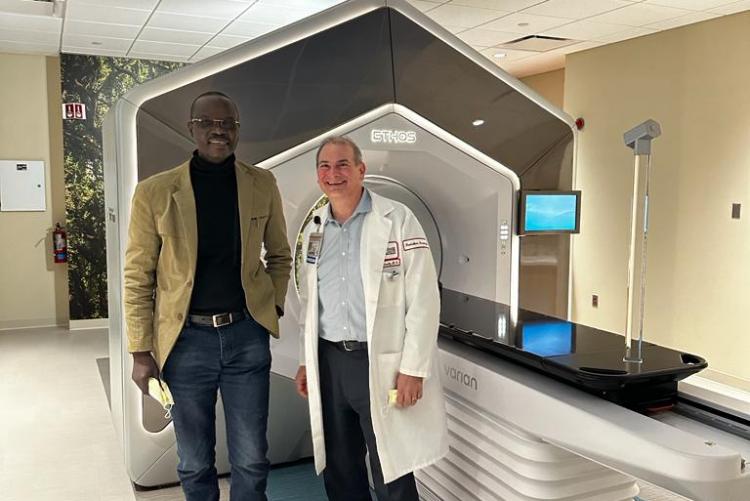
x: 694, y: 81
x: 550, y: 85
x: 33, y: 290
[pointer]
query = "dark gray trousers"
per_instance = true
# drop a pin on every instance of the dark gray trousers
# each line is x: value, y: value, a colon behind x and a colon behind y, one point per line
x: 345, y: 395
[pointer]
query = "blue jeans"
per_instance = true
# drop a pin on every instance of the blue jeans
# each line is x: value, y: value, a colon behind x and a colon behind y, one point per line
x: 236, y: 360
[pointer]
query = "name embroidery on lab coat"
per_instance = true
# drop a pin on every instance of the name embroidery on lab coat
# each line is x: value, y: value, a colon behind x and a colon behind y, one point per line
x: 392, y: 256
x: 415, y: 243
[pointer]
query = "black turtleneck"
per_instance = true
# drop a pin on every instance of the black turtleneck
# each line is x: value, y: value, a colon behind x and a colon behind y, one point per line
x: 218, y: 284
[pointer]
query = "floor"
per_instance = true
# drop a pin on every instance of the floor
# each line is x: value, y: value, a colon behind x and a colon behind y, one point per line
x: 57, y: 442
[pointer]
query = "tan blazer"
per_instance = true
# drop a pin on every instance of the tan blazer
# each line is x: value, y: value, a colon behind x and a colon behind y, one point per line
x: 161, y: 255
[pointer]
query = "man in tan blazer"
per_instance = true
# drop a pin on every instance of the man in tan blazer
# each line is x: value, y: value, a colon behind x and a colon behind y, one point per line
x: 200, y: 302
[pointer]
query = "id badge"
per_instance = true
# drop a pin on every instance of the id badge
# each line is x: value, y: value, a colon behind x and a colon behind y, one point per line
x: 314, y: 244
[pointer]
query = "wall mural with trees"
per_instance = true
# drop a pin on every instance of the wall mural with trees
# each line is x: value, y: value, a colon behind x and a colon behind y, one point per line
x: 97, y: 82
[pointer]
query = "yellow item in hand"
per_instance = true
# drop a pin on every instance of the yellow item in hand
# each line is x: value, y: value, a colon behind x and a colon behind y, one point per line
x: 159, y: 391
x: 392, y: 397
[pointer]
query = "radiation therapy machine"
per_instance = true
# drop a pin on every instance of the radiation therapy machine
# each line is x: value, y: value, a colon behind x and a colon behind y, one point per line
x: 539, y: 408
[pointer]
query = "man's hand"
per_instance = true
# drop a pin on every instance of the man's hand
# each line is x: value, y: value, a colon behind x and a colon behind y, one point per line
x: 409, y: 390
x: 301, y: 380
x: 144, y: 367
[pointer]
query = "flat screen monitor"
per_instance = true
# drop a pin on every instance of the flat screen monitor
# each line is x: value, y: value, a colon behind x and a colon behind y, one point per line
x: 550, y: 212
x: 547, y: 338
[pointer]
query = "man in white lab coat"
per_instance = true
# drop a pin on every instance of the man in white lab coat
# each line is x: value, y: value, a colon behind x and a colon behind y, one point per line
x: 369, y: 320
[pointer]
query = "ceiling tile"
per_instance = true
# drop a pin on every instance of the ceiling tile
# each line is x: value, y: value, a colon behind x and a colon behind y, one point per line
x: 36, y: 23
x: 95, y: 42
x: 95, y: 51
x: 486, y: 38
x: 510, y: 55
x: 640, y: 14
x: 732, y: 8
x: 468, y: 17
x: 157, y: 57
x: 423, y: 6
x: 105, y: 14
x: 271, y: 14
x: 549, y: 61
x: 310, y: 5
x: 578, y: 47
x: 244, y: 29
x: 221, y: 9
x: 629, y: 33
x: 525, y: 24
x: 585, y: 30
x: 506, y: 5
x: 152, y: 34
x: 131, y: 4
x: 23, y: 35
x: 28, y: 47
x: 184, y: 22
x: 226, y: 41
x: 575, y: 9
x: 171, y: 49
x: 101, y: 29
x: 691, y: 4
x: 693, y: 17
x: 206, y: 52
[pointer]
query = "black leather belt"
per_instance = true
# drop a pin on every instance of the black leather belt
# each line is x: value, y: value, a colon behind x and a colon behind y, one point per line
x: 347, y: 345
x: 218, y: 320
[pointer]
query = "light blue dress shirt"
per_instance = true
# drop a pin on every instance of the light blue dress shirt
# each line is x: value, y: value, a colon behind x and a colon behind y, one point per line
x: 341, y: 295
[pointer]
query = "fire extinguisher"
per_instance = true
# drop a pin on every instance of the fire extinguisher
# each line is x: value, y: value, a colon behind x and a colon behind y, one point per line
x: 60, y: 244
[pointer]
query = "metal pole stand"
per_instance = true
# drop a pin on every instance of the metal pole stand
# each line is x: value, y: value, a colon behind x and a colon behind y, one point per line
x: 639, y: 139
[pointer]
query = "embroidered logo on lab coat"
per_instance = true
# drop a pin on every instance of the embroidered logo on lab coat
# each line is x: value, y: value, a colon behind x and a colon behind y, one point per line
x: 415, y: 243
x: 392, y: 255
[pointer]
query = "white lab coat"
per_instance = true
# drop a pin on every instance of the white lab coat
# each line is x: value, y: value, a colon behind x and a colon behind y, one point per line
x: 402, y: 316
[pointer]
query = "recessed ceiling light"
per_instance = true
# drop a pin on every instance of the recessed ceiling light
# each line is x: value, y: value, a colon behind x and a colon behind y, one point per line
x: 499, y: 55
x: 477, y: 122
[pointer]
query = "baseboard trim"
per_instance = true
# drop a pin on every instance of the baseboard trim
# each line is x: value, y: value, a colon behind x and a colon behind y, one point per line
x: 90, y: 323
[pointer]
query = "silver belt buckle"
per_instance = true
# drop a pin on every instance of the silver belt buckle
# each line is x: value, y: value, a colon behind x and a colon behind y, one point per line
x: 217, y: 319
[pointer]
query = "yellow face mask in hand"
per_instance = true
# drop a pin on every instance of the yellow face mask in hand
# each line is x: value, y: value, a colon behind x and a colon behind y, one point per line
x: 159, y: 391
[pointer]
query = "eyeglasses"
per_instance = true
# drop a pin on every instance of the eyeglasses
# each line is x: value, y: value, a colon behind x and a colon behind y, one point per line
x: 207, y: 123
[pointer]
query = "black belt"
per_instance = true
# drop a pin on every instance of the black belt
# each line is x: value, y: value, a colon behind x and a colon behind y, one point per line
x: 218, y: 320
x: 347, y: 345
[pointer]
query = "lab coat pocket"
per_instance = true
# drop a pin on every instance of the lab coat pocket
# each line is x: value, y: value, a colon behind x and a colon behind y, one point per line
x: 387, y: 370
x: 391, y: 287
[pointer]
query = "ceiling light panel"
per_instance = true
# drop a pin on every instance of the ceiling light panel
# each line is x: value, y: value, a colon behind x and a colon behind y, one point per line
x: 486, y: 38
x: 530, y: 24
x: 576, y: 9
x: 640, y: 15
x: 467, y: 17
x: 101, y: 29
x: 105, y: 14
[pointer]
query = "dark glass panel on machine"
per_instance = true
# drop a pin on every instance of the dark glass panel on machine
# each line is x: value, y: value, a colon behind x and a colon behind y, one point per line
x: 292, y: 94
x: 443, y: 85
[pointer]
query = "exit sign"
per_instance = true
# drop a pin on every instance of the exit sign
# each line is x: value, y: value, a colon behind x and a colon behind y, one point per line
x: 74, y: 111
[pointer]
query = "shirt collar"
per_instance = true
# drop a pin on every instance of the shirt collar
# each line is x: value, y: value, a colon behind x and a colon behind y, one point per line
x: 363, y: 207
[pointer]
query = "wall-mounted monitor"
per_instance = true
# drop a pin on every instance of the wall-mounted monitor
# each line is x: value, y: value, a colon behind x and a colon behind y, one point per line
x: 550, y: 212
